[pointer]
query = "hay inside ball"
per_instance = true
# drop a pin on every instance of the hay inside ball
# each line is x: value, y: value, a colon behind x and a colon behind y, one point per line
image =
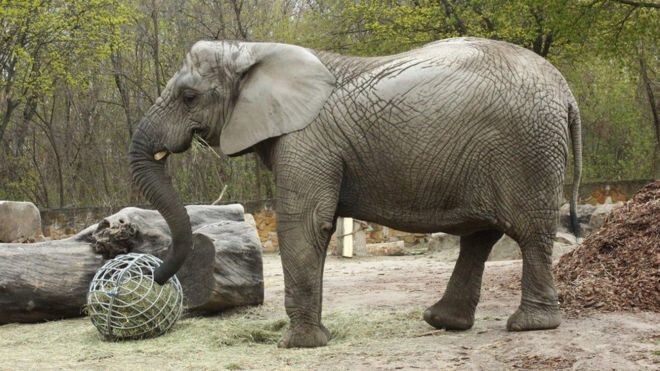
x: 125, y: 303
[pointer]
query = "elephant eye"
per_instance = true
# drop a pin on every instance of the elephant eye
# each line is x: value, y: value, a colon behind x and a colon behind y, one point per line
x: 189, y: 97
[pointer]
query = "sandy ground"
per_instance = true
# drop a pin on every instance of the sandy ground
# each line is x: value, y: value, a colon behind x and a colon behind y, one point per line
x: 373, y: 306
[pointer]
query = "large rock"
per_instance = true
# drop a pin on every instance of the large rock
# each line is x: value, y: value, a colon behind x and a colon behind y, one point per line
x: 591, y: 217
x: 19, y: 222
x: 249, y: 218
x: 600, y: 213
x: 49, y: 280
x: 505, y: 249
x: 444, y: 246
x: 584, y: 213
x: 566, y: 238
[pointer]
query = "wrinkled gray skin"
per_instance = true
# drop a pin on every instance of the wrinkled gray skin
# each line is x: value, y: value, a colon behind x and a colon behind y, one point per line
x: 464, y: 136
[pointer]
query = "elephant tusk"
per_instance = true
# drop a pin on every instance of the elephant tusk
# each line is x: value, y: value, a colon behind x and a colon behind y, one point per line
x: 160, y: 155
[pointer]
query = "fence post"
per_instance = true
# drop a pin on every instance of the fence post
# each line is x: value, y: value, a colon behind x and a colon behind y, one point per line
x: 345, y: 237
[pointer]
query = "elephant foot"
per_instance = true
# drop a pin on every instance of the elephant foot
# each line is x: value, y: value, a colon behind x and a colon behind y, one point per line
x: 305, y: 336
x: 534, y: 317
x: 442, y: 315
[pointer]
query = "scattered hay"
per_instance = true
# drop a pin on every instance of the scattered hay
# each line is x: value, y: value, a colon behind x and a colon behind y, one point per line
x: 255, y: 332
x: 345, y: 327
x: 617, y: 267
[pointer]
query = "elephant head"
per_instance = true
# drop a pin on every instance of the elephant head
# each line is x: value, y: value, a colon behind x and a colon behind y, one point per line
x: 231, y: 94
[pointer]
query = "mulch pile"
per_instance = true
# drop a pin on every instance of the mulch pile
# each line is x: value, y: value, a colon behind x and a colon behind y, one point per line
x: 618, y: 266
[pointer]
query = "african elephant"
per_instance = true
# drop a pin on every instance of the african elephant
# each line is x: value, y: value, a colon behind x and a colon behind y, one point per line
x: 466, y: 136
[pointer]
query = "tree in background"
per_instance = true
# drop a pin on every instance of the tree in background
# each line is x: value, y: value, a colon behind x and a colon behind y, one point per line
x: 51, y: 91
x: 607, y: 49
x: 611, y: 62
x: 75, y: 77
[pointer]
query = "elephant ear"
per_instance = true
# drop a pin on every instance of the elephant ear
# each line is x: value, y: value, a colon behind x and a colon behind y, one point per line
x: 282, y: 90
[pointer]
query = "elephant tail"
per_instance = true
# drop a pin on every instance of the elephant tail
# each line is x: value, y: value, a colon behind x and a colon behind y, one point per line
x: 575, y: 127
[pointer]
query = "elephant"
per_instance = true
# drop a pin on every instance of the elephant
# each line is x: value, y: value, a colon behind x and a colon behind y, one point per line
x: 466, y: 136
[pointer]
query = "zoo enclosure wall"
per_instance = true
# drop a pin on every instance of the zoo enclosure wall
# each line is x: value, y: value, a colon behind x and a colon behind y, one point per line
x: 71, y: 220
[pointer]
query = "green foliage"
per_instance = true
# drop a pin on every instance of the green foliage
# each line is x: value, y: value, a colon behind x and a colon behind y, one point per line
x: 77, y: 76
x: 379, y: 27
x: 48, y: 37
x: 618, y: 143
x: 20, y: 179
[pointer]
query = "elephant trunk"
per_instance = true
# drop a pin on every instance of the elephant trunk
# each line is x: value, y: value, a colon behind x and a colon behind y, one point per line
x: 149, y: 174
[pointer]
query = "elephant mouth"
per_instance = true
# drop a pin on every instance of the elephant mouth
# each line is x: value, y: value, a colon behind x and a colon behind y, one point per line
x: 197, y: 131
x: 201, y: 134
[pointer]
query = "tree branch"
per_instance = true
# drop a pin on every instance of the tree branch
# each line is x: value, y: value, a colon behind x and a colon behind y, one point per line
x: 638, y: 4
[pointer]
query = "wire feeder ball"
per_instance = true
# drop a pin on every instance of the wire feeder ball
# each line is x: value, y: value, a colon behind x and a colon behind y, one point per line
x: 125, y: 303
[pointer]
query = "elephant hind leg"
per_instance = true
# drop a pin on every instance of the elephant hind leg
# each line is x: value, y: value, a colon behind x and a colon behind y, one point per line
x: 539, y: 308
x: 455, y: 311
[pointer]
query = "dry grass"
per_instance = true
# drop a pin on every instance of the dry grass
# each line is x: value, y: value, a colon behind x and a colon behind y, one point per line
x: 373, y: 308
x: 245, y: 339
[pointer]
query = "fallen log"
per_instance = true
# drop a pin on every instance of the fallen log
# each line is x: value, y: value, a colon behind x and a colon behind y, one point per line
x: 49, y: 280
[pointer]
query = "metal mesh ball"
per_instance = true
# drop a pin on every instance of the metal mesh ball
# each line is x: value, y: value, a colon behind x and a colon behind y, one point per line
x: 124, y: 302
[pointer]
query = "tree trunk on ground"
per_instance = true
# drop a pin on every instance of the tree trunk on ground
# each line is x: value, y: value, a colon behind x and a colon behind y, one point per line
x: 49, y: 280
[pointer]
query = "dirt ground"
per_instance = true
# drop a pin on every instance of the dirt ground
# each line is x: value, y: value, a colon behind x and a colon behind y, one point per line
x: 374, y: 308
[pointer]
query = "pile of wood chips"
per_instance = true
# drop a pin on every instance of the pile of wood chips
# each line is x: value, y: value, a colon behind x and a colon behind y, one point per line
x: 618, y: 266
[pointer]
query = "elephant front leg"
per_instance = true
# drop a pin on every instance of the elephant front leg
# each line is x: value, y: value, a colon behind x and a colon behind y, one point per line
x: 303, y: 240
